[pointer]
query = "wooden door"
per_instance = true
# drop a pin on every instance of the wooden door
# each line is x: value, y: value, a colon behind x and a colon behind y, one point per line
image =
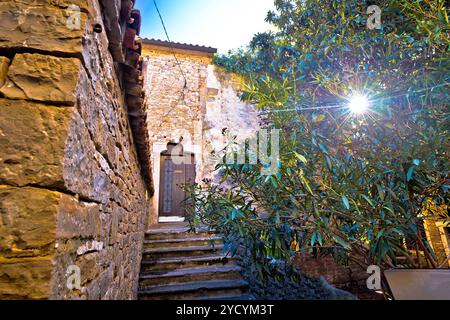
x: 173, y: 177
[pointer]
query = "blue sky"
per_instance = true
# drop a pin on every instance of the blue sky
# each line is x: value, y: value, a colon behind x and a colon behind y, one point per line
x: 223, y: 24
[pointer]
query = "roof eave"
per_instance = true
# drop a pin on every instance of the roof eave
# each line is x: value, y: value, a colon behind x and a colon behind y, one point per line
x: 180, y: 46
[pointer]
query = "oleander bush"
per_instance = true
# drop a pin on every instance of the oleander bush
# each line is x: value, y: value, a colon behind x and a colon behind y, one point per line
x: 353, y: 186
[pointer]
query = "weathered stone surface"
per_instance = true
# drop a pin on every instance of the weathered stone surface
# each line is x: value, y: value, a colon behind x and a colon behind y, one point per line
x: 42, y: 78
x: 4, y: 64
x: 77, y: 219
x: 31, y: 221
x: 101, y: 113
x: 104, y: 116
x: 437, y: 236
x: 225, y: 109
x: 90, y: 267
x: 28, y: 221
x: 280, y: 285
x: 37, y: 25
x: 27, y: 278
x: 85, y: 6
x: 112, y: 12
x: 88, y: 173
x: 175, y: 111
x: 83, y: 174
x: 67, y: 129
x: 32, y: 142
x: 71, y: 218
x: 97, y: 289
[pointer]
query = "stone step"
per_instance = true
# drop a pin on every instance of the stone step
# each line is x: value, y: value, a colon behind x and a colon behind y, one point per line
x: 189, y: 275
x: 195, y: 290
x: 182, y: 265
x: 175, y: 231
x: 188, y: 241
x: 172, y: 235
x: 167, y: 264
x: 194, y: 251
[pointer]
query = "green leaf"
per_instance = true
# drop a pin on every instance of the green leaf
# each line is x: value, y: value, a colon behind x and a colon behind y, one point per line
x: 274, y: 182
x: 320, y: 239
x: 380, y: 192
x: 319, y: 118
x: 307, y: 185
x: 380, y: 234
x: 329, y: 163
x: 323, y: 148
x: 225, y: 176
x: 301, y: 158
x: 346, y: 202
x: 234, y: 214
x: 368, y: 200
x: 356, y: 206
x: 410, y: 174
x: 313, y: 239
x: 342, y: 242
x: 280, y: 165
x: 389, y: 209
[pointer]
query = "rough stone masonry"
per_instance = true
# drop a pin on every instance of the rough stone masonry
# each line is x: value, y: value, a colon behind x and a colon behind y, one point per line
x: 193, y: 108
x: 72, y: 192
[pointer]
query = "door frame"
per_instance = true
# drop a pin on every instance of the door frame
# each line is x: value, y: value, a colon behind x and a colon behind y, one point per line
x: 158, y: 149
x: 177, y: 207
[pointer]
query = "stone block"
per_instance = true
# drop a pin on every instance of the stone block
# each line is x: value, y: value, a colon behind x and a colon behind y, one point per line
x: 89, y: 266
x: 113, y: 235
x: 28, y: 221
x: 32, y: 143
x: 42, y: 78
x: 38, y: 25
x: 104, y: 116
x: 85, y: 6
x: 78, y: 219
x: 4, y: 65
x: 28, y: 278
x: 97, y: 289
x: 34, y: 219
x: 83, y: 175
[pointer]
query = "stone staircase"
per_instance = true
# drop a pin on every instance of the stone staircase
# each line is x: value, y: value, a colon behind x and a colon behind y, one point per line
x: 178, y: 265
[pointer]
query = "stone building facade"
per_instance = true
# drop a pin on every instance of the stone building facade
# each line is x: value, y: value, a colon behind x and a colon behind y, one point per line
x: 438, y: 233
x: 72, y: 187
x: 84, y: 122
x: 192, y: 103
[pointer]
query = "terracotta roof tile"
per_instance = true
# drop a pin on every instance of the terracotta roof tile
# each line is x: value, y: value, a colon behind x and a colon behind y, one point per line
x: 177, y: 45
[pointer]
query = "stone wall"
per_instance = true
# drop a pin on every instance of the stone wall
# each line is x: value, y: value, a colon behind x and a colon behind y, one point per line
x: 192, y: 103
x: 286, y: 283
x: 439, y: 239
x: 351, y: 278
x: 71, y: 188
x: 227, y: 118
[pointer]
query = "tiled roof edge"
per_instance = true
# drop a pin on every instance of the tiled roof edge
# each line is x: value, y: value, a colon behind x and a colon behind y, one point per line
x: 177, y: 45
